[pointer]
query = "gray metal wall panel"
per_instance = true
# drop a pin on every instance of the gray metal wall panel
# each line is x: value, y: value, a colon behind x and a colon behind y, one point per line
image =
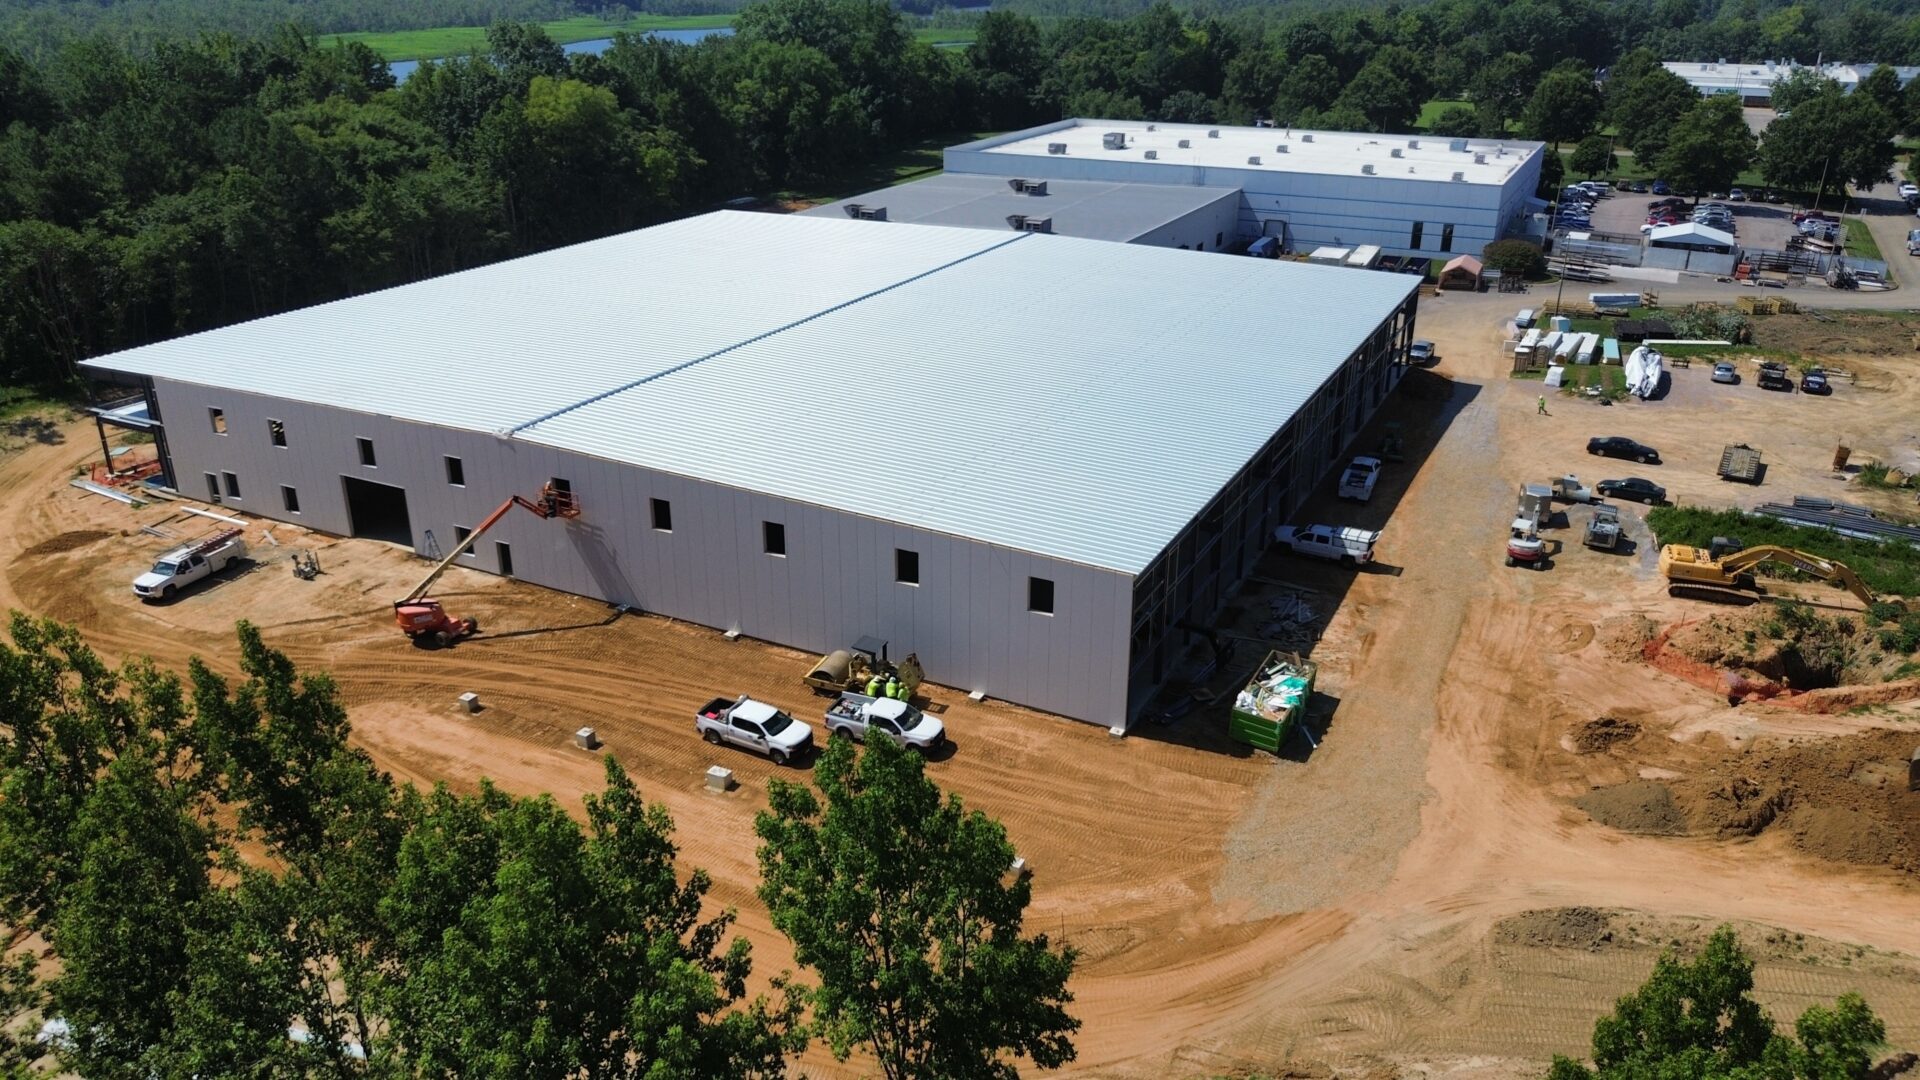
x: 967, y: 619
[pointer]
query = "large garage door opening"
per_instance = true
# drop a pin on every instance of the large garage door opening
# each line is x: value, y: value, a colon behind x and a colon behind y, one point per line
x: 378, y: 511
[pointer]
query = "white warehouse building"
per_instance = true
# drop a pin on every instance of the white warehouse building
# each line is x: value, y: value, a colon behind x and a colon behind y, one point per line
x: 1026, y: 458
x: 1407, y: 195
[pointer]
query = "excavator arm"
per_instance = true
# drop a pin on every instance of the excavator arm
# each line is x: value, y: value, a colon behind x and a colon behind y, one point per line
x: 1824, y: 569
x: 553, y: 503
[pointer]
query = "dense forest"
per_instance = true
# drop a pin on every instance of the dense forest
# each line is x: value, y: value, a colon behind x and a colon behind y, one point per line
x: 152, y: 189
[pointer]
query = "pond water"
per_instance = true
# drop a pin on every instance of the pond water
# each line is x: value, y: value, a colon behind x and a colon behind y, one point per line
x: 402, y: 69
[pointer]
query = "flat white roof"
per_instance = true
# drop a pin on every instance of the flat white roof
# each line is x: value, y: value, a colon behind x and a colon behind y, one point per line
x: 1757, y: 79
x: 1333, y: 153
x: 1690, y: 230
x: 1078, y: 399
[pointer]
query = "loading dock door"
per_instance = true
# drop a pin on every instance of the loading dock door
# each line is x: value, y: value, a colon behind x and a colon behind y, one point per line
x: 378, y: 511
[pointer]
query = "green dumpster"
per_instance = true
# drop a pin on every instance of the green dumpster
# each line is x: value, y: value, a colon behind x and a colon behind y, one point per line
x: 1273, y: 700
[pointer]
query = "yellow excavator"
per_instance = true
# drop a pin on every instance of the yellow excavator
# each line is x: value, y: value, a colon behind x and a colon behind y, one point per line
x: 1722, y: 573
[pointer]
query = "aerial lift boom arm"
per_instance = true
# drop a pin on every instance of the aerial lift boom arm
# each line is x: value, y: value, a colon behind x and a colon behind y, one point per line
x: 552, y: 503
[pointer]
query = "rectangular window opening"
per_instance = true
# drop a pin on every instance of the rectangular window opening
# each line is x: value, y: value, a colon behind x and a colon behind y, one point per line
x: 213, y: 488
x: 366, y: 453
x: 662, y: 514
x: 773, y: 538
x: 1446, y: 238
x: 460, y: 534
x: 906, y: 566
x: 505, y: 555
x: 277, y: 432
x: 290, y: 499
x: 232, y: 483
x: 218, y: 418
x: 1040, y: 595
x: 1418, y: 228
x: 456, y: 471
x: 561, y: 484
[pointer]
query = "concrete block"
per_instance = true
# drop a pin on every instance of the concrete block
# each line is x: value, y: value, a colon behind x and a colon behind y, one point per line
x: 719, y: 778
x: 585, y: 739
x: 470, y: 701
x: 1116, y: 733
x: 977, y: 696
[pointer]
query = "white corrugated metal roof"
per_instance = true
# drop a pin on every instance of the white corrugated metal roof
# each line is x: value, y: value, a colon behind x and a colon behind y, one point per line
x: 1079, y: 399
x: 478, y: 349
x: 1690, y: 230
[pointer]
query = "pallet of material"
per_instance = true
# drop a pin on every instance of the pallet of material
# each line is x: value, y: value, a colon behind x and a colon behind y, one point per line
x: 1852, y: 521
x: 1740, y: 462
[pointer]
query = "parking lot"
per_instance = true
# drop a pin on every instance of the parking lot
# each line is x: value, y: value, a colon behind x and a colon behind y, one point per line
x: 1756, y: 225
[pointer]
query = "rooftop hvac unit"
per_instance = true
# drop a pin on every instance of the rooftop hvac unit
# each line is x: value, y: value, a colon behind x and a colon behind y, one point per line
x: 1056, y: 148
x: 1459, y: 177
x: 1027, y: 187
x: 1367, y: 170
x: 1306, y: 136
x: 1186, y: 144
x: 1038, y: 224
x: 1280, y: 149
x: 1153, y: 155
x: 1458, y: 146
x: 1413, y: 144
x: 1213, y: 133
x: 1254, y: 160
x: 1479, y: 159
x: 1153, y: 127
x: 862, y: 212
x: 1018, y: 221
x: 1114, y: 140
x: 1397, y: 152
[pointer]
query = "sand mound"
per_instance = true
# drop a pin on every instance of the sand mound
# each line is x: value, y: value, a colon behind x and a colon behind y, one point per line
x: 1844, y: 834
x: 1559, y: 928
x: 1738, y: 807
x: 1638, y: 806
x: 1625, y: 637
x: 1602, y: 733
x: 67, y: 541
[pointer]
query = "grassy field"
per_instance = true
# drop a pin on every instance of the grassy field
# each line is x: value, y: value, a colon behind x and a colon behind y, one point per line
x: 1612, y: 381
x: 1431, y: 111
x: 949, y: 36
x: 1860, y: 240
x: 459, y: 40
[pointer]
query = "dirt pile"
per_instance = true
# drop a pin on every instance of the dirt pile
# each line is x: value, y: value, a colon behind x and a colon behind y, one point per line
x: 1637, y: 806
x: 1843, y: 799
x: 1625, y: 637
x: 1557, y: 928
x: 1603, y: 733
x: 67, y: 541
x: 1788, y: 649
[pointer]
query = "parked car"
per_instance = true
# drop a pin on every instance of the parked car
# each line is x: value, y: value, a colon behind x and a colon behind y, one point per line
x: 1774, y: 198
x: 858, y: 716
x: 1421, y: 353
x: 1660, y: 188
x: 1674, y: 202
x: 1347, y: 546
x: 1908, y: 188
x: 1773, y: 376
x: 181, y: 568
x: 1638, y: 187
x: 1736, y: 195
x: 1913, y: 241
x: 1636, y: 488
x: 1619, y: 446
x: 1814, y: 381
x: 1357, y: 482
x: 1814, y: 215
x: 1716, y: 196
x: 1725, y: 373
x: 753, y: 725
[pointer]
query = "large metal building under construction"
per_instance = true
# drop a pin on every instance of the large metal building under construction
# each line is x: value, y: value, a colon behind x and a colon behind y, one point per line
x: 1027, y: 458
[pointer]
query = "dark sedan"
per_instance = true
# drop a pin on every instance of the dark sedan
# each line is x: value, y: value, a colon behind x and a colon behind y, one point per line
x: 1633, y: 487
x: 1619, y: 446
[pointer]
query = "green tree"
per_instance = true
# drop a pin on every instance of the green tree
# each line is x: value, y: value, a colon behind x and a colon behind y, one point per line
x: 1311, y: 83
x: 1800, y: 84
x: 1457, y: 121
x: 1697, y: 1020
x: 1644, y: 108
x: 1500, y: 88
x: 1594, y: 157
x: 1383, y: 93
x: 904, y: 905
x: 1708, y: 147
x: 1564, y: 107
x: 1829, y: 139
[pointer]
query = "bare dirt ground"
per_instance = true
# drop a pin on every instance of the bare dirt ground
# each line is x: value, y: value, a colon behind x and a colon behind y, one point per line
x: 1357, y: 909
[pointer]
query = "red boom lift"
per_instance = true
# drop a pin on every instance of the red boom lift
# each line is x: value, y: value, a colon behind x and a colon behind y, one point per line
x: 423, y: 619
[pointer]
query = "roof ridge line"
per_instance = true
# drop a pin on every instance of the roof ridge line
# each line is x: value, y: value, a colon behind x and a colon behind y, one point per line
x: 763, y: 335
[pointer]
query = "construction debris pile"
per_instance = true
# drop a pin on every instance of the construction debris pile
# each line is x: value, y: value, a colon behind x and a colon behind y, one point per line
x: 1277, y: 690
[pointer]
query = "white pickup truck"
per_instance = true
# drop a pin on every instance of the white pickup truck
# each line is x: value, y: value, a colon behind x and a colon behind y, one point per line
x: 1357, y: 482
x: 1350, y: 547
x: 857, y: 716
x: 753, y: 725
x: 180, y: 568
